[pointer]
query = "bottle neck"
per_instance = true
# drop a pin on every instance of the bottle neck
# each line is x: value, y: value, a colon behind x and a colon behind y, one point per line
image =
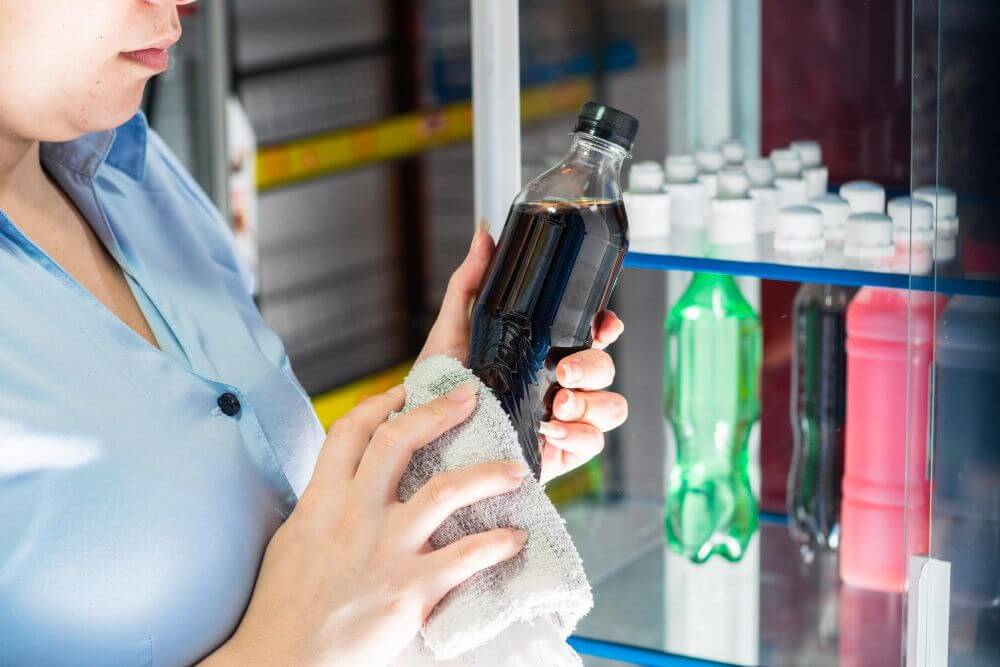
x: 594, y: 152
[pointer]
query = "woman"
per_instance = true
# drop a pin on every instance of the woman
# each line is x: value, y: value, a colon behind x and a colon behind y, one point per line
x: 166, y: 493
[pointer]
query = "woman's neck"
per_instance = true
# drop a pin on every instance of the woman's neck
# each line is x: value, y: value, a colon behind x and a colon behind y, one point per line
x: 21, y: 176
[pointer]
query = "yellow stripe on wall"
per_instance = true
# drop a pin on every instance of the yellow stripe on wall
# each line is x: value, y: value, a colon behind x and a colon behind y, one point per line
x: 400, y: 136
x: 333, y: 405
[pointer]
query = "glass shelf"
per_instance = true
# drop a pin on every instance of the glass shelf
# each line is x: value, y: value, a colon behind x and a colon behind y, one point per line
x: 772, y: 608
x: 689, y: 250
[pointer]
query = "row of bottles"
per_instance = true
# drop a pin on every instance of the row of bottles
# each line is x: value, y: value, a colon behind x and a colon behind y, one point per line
x: 863, y: 364
x: 785, y: 197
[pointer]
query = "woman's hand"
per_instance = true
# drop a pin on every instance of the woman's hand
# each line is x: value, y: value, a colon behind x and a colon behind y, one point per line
x: 581, y: 411
x: 350, y: 577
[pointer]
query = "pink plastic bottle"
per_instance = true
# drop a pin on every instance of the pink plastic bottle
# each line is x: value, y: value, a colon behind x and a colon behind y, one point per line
x: 886, y: 492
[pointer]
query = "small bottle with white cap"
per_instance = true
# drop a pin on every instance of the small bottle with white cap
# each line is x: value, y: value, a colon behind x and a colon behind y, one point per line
x: 733, y: 212
x: 835, y: 210
x: 788, y: 181
x: 647, y: 205
x: 813, y: 172
x: 733, y: 151
x: 945, y: 205
x: 912, y: 234
x: 687, y: 194
x: 709, y: 163
x: 864, y: 196
x: 799, y: 234
x: 868, y: 240
x: 760, y: 172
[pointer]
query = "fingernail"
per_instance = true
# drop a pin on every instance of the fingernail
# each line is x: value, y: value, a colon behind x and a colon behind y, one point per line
x: 463, y: 393
x: 550, y: 430
x: 569, y: 401
x: 520, y: 535
x: 483, y: 226
x: 571, y: 371
x: 517, y: 470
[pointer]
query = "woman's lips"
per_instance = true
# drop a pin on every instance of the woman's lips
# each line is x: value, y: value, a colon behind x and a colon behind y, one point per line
x: 155, y: 59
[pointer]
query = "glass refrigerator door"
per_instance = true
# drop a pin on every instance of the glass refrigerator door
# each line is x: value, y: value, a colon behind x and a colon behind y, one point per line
x: 955, y: 593
x: 877, y: 346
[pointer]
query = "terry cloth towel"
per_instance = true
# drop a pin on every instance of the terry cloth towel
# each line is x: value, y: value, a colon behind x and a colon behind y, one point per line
x: 517, y: 612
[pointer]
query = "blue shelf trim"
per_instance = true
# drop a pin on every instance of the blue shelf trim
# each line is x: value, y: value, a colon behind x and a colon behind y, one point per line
x: 813, y: 274
x: 773, y: 517
x: 634, y: 655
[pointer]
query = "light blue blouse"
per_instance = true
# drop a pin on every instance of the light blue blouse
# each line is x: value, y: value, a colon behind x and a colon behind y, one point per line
x: 138, y: 487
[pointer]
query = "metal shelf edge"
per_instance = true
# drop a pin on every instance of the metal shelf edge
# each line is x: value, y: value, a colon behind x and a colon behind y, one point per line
x: 635, y: 655
x: 814, y: 274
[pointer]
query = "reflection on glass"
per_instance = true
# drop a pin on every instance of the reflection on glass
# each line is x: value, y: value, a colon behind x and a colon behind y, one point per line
x: 966, y: 470
x: 871, y: 627
x: 712, y: 609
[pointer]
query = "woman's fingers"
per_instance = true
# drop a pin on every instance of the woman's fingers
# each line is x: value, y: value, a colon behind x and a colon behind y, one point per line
x: 589, y: 369
x: 568, y: 446
x: 393, y: 443
x: 453, y: 564
x: 604, y: 409
x: 580, y: 440
x: 444, y: 493
x: 348, y: 436
x: 607, y: 329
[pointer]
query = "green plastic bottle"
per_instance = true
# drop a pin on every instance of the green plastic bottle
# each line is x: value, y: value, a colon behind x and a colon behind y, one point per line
x: 713, y: 353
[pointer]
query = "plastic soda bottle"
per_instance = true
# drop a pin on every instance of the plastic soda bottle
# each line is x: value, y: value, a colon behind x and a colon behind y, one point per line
x: 818, y: 407
x: 713, y: 356
x: 885, y: 510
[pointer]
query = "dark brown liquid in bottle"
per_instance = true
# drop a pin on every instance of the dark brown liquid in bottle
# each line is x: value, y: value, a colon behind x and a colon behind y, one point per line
x: 553, y: 272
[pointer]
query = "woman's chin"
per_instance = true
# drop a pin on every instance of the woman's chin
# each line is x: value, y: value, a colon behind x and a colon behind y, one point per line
x: 109, y: 112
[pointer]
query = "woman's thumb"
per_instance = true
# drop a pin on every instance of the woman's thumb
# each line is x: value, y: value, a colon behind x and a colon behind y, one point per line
x: 450, y: 332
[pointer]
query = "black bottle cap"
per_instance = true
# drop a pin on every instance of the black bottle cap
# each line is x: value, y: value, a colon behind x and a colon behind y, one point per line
x: 607, y: 123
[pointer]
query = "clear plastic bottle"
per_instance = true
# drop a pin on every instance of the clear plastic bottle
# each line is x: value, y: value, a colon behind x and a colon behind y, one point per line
x: 556, y: 263
x: 818, y: 408
x: 713, y: 356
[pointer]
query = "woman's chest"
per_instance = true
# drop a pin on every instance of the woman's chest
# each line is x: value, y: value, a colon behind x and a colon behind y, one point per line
x: 134, y: 508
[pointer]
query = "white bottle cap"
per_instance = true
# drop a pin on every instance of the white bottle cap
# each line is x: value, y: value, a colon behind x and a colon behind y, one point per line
x: 687, y: 204
x: 786, y: 162
x: 799, y: 231
x: 864, y: 196
x: 791, y: 191
x: 711, y: 184
x: 945, y: 205
x: 648, y: 213
x: 945, y: 247
x: 733, y: 183
x: 808, y: 151
x: 815, y: 178
x: 645, y: 176
x: 681, y: 169
x: 767, y: 208
x: 760, y: 171
x: 732, y: 151
x: 708, y: 160
x: 868, y: 236
x: 732, y: 222
x: 912, y: 220
x: 835, y: 211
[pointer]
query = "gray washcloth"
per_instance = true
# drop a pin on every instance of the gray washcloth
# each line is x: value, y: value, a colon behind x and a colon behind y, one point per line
x: 516, y: 612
